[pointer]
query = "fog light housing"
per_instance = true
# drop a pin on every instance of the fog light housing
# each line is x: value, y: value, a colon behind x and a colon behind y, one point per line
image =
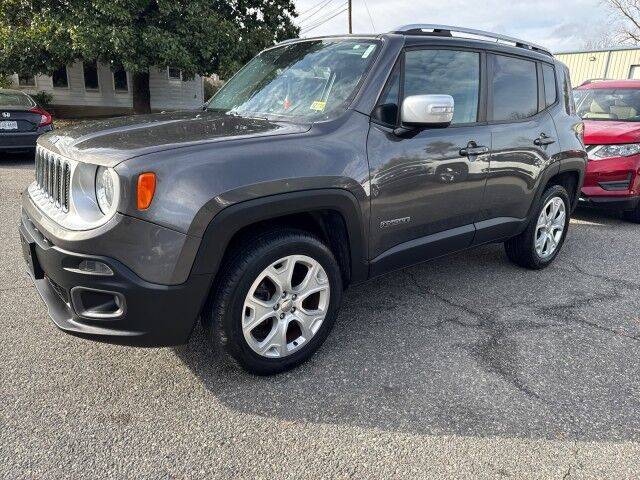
x: 97, y: 304
x: 94, y: 267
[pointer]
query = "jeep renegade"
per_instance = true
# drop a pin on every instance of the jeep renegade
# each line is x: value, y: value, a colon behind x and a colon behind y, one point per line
x: 322, y: 163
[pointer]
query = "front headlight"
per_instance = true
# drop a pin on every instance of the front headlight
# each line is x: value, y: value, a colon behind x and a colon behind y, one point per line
x: 609, y: 151
x: 106, y: 189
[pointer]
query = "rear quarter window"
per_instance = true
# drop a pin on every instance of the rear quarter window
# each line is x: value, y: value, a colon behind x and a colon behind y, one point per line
x: 550, y: 84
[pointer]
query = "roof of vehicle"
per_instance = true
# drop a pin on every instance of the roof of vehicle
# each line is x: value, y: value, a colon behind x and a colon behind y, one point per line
x: 608, y: 84
x: 449, y: 35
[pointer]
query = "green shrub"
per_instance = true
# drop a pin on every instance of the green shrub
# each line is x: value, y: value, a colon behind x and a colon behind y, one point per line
x: 5, y: 81
x: 43, y: 99
x: 210, y: 89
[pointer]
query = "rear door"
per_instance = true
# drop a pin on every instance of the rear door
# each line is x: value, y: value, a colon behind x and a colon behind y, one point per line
x: 524, y: 143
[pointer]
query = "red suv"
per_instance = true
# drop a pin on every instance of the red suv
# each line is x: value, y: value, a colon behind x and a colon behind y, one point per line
x: 611, y: 113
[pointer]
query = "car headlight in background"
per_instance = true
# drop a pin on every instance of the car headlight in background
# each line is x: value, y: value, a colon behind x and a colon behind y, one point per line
x: 609, y: 151
x: 106, y: 189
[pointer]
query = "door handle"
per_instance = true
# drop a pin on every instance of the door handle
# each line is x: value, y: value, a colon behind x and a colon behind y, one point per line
x: 544, y: 140
x: 473, y: 150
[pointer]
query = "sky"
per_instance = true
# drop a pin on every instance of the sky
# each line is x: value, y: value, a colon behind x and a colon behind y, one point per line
x: 560, y: 25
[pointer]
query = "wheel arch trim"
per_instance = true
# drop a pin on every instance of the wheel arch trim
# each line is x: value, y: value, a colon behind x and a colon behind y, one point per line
x: 229, y: 221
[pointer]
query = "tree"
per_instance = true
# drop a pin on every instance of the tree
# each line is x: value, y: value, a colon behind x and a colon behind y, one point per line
x: 196, y: 36
x: 627, y: 19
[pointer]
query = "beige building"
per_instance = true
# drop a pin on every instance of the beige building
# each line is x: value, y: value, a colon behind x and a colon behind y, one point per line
x: 92, y: 89
x: 617, y: 63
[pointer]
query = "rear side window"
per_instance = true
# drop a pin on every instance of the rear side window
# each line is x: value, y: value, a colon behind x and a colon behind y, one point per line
x: 513, y: 88
x: 550, y: 89
x: 445, y: 72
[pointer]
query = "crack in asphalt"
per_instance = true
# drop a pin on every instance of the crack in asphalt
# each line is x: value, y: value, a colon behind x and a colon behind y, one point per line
x: 498, y: 354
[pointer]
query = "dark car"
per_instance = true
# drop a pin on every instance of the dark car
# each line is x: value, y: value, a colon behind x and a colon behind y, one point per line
x: 22, y: 121
x: 323, y: 163
x: 611, y: 113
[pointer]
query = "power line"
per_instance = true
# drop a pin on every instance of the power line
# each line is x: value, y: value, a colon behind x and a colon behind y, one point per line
x: 325, y: 11
x: 370, y: 17
x: 326, y: 16
x: 322, y: 23
x: 317, y: 8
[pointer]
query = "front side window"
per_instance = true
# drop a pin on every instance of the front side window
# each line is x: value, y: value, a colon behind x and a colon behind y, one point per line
x: 91, y: 76
x: 513, y: 88
x: 445, y: 72
x: 608, y: 104
x: 303, y: 81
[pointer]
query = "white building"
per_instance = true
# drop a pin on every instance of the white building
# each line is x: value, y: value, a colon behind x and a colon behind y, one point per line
x: 93, y: 89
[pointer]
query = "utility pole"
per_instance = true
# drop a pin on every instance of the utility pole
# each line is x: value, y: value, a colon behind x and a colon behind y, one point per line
x: 350, y: 17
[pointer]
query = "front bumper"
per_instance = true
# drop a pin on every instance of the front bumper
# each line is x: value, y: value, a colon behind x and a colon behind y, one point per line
x: 150, y: 315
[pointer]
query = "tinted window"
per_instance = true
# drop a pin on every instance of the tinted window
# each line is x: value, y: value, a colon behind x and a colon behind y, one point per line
x: 388, y: 106
x: 446, y: 72
x: 514, y: 88
x: 550, y: 90
x: 60, y: 79
x: 91, y: 76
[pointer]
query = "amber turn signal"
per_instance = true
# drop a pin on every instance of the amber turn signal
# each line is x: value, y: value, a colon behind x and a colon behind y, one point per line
x: 146, y: 189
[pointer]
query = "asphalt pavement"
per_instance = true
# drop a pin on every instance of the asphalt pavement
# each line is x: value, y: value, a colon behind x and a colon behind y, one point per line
x: 466, y: 367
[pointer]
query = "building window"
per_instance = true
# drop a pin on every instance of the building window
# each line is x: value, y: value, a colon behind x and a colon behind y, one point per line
x: 26, y: 80
x: 634, y: 72
x: 60, y: 78
x: 120, y: 81
x: 91, y: 76
x: 174, y: 73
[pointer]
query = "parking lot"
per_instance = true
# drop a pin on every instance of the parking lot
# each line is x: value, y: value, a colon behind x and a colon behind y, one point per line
x: 466, y: 366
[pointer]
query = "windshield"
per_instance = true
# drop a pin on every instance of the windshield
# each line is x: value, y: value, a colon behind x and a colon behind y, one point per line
x: 303, y: 81
x: 608, y: 104
x: 15, y: 100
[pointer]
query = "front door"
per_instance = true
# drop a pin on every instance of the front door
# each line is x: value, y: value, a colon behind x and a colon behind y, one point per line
x: 427, y: 186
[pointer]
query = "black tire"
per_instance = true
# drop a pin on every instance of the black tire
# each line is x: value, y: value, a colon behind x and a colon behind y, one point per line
x: 632, y: 215
x: 521, y: 249
x: 224, y: 325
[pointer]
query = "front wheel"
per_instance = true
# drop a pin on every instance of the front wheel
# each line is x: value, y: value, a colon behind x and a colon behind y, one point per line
x: 277, y: 301
x: 540, y: 243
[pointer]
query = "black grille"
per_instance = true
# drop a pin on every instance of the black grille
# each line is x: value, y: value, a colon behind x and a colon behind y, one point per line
x: 53, y: 176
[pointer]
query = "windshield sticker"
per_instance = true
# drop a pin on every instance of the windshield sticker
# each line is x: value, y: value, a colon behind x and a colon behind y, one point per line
x: 318, y: 106
x: 368, y: 51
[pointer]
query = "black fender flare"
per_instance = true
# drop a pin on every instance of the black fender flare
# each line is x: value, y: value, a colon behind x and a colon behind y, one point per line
x: 226, y: 223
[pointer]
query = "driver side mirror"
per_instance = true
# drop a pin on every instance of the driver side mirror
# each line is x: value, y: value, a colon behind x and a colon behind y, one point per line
x: 427, y: 110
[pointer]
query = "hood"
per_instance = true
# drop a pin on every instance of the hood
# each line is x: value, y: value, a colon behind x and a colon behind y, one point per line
x: 109, y: 142
x: 609, y: 132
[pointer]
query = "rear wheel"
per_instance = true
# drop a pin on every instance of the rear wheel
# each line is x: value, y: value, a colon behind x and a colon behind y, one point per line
x: 540, y: 243
x: 277, y: 301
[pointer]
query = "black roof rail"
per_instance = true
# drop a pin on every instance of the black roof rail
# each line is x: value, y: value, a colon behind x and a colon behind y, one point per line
x: 448, y: 31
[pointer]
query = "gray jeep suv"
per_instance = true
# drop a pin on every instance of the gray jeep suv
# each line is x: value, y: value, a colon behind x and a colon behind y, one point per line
x: 323, y: 163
